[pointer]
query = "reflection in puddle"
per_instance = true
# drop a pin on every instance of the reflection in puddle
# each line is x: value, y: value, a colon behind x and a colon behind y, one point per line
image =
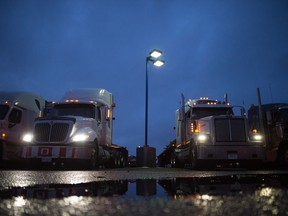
x: 46, y: 191
x: 240, y: 194
x: 205, y: 187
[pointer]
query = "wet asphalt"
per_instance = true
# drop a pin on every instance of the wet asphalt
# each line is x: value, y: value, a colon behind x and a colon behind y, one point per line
x: 102, y: 192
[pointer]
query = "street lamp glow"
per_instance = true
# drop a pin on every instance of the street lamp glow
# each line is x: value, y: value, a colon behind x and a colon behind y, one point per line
x: 155, y: 53
x: 145, y: 156
x: 158, y: 63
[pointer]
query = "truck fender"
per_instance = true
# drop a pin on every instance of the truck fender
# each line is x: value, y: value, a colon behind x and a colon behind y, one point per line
x: 282, y: 157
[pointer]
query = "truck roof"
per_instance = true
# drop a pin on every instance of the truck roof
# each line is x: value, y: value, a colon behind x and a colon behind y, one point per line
x: 205, y: 103
x: 89, y: 95
x: 26, y: 100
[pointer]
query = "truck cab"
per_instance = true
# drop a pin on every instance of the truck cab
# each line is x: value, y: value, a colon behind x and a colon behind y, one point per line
x: 17, y: 113
x: 272, y: 121
x: 77, y: 128
x: 193, y: 110
x: 210, y: 135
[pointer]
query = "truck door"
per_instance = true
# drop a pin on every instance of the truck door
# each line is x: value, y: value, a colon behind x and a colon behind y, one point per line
x: 13, y: 125
x: 102, y: 128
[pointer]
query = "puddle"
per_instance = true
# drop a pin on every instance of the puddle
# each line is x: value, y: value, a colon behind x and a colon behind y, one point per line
x: 170, y: 188
x: 240, y: 194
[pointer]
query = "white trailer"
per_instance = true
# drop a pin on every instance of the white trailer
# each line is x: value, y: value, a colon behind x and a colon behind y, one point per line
x: 17, y: 113
x: 79, y: 128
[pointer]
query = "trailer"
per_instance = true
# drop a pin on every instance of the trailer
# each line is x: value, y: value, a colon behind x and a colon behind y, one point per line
x: 78, y: 129
x: 209, y: 135
x: 17, y: 113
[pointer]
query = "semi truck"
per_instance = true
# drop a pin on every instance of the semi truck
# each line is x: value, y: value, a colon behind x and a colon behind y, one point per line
x: 76, y: 129
x: 17, y: 113
x: 271, y: 120
x: 209, y: 135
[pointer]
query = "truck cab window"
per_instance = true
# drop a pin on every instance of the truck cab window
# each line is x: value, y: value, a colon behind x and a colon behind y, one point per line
x: 84, y: 110
x: 204, y: 112
x: 15, y: 116
x: 3, y: 111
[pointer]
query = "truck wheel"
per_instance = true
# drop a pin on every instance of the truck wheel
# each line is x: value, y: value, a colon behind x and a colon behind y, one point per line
x: 285, y: 162
x: 94, y: 156
x: 116, y: 162
x: 1, y: 150
x: 122, y: 162
x: 173, y: 160
x: 194, y: 160
x: 282, y: 159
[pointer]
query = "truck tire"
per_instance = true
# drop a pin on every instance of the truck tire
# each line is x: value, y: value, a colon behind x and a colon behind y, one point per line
x: 194, y: 158
x: 173, y: 160
x: 1, y: 151
x: 285, y: 159
x: 283, y: 156
x: 94, y: 162
x: 122, y: 162
x: 115, y: 162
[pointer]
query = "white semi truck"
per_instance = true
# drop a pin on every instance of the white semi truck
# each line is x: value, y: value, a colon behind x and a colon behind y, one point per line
x: 17, y: 113
x: 78, y: 128
x: 209, y: 135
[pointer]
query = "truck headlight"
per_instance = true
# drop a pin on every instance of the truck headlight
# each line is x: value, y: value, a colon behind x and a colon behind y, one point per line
x: 202, y: 138
x: 257, y: 137
x: 80, y: 137
x: 28, y: 138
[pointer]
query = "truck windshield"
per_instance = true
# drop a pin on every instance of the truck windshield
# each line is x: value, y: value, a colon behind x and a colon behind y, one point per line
x: 3, y: 111
x: 84, y: 110
x: 282, y: 116
x: 203, y: 112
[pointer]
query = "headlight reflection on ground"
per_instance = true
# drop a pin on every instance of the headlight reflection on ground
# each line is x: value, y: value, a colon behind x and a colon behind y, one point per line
x: 19, y: 201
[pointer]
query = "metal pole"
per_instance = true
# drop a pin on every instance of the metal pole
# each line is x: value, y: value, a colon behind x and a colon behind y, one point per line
x: 146, y: 105
x: 261, y: 120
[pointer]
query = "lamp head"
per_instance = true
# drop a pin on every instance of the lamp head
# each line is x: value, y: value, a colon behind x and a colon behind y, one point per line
x: 158, y: 63
x: 155, y: 53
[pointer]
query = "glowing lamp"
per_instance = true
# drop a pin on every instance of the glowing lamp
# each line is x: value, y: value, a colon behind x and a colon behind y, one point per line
x: 155, y: 53
x: 158, y: 63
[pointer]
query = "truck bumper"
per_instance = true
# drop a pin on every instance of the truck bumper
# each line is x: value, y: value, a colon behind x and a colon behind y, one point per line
x: 56, y: 153
x: 233, y: 153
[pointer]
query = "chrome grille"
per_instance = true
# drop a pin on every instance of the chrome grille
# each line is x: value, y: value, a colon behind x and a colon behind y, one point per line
x: 51, y: 132
x: 230, y: 130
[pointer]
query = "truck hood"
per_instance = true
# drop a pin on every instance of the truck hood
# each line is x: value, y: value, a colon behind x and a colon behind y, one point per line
x: 58, y: 118
x: 74, y: 119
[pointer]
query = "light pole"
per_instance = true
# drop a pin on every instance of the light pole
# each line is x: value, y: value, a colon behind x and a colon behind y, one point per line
x: 153, y: 57
x: 146, y: 156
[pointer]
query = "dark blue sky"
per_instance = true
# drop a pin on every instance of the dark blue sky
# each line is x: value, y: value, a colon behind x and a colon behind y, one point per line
x: 210, y: 48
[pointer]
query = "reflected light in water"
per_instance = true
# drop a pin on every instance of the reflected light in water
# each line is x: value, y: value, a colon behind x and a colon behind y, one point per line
x: 266, y: 192
x: 206, y: 197
x: 19, y: 201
